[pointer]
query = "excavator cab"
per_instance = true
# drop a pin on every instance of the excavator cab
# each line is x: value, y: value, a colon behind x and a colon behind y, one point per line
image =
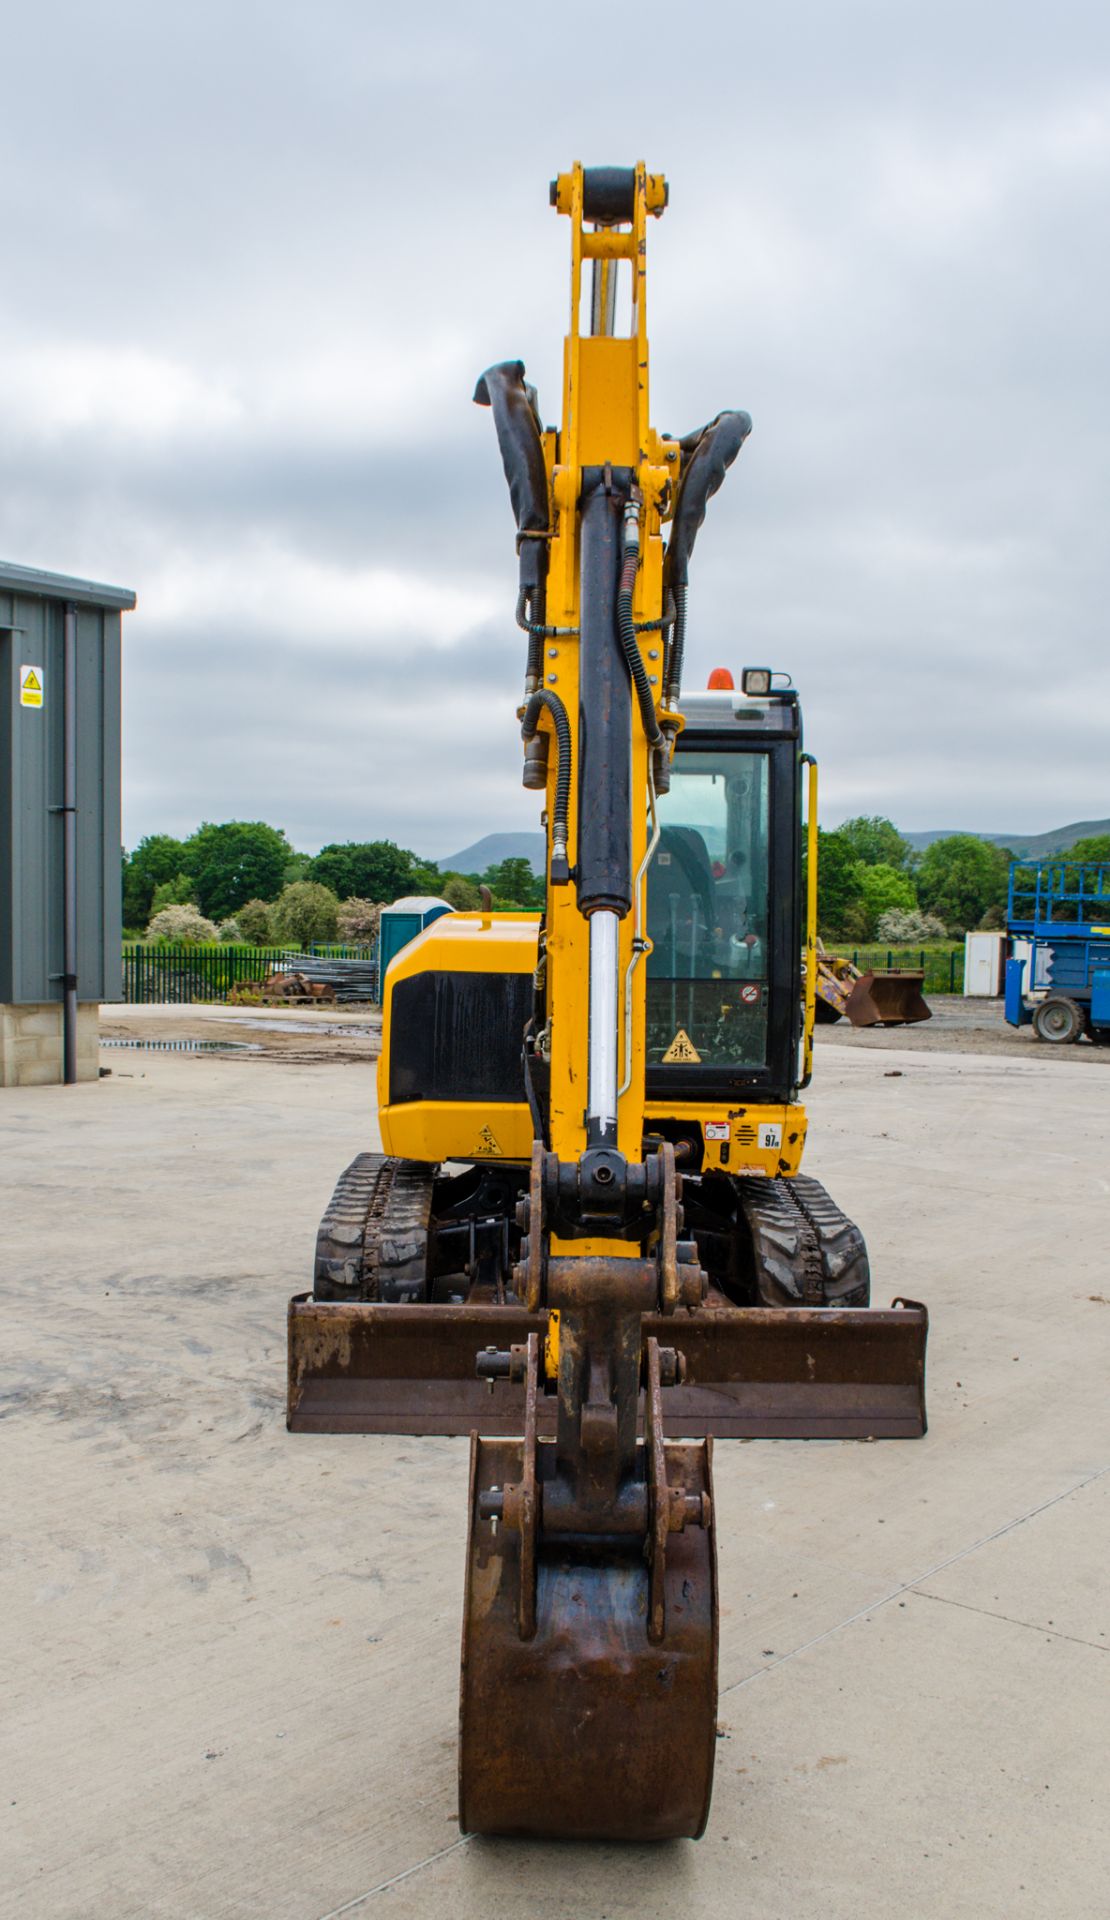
x: 588, y: 1242
x: 724, y: 1003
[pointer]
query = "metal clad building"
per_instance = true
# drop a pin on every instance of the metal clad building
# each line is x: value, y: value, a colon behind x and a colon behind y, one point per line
x: 46, y: 622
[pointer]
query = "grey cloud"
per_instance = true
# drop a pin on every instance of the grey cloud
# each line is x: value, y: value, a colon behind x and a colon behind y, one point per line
x: 405, y: 741
x: 886, y: 239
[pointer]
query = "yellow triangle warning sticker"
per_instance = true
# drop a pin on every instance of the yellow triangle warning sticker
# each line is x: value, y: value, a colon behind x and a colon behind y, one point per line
x: 30, y: 686
x: 682, y: 1051
x: 487, y: 1142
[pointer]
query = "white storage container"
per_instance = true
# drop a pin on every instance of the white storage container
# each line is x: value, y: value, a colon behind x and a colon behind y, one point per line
x: 984, y: 964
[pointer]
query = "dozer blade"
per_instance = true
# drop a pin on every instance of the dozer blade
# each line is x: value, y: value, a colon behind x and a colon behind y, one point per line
x: 794, y: 1373
x: 576, y: 1723
x: 890, y: 999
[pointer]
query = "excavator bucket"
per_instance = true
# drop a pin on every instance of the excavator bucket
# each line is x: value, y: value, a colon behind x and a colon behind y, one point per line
x: 795, y: 1373
x: 588, y: 1699
x: 889, y: 999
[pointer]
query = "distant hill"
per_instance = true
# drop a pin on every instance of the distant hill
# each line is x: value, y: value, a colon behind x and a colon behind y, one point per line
x: 1025, y: 846
x: 495, y: 847
x: 492, y: 849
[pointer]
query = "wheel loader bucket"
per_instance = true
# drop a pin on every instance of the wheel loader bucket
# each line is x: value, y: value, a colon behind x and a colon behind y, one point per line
x: 793, y: 1373
x: 890, y: 999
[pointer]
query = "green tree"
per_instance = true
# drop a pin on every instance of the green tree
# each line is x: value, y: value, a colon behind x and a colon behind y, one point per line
x: 876, y: 841
x: 1095, y: 847
x: 459, y: 892
x: 365, y: 870
x: 884, y: 889
x: 840, y: 907
x: 179, y: 892
x: 960, y: 878
x: 513, y: 884
x: 239, y: 861
x: 305, y: 911
x: 157, y: 860
x: 254, y: 923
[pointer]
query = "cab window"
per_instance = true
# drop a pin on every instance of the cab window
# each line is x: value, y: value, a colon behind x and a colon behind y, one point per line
x: 707, y: 971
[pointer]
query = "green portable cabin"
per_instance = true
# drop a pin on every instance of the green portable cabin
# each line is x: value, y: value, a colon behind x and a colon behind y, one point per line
x: 403, y: 921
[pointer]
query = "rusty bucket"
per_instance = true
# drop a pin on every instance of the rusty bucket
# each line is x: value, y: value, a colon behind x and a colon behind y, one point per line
x: 889, y: 999
x: 588, y: 1700
x: 794, y: 1373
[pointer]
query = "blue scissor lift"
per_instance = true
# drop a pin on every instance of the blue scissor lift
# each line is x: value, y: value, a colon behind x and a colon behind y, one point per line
x: 1061, y: 913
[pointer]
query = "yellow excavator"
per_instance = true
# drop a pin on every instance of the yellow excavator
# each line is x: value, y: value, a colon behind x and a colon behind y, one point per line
x: 588, y: 1228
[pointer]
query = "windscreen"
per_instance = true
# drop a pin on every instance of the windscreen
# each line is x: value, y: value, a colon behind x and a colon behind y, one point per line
x: 707, y: 914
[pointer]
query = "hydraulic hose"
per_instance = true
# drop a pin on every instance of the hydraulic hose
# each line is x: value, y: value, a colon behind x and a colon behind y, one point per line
x: 626, y: 627
x: 560, y: 830
x: 531, y: 611
x: 512, y: 401
x: 706, y: 458
x: 664, y: 623
x: 677, y: 650
x: 526, y: 610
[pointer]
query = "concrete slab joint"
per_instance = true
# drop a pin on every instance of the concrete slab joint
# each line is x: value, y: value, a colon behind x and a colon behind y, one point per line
x: 31, y: 1044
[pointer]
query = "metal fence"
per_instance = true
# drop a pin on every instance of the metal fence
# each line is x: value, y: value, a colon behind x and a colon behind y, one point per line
x: 943, y: 968
x: 185, y: 973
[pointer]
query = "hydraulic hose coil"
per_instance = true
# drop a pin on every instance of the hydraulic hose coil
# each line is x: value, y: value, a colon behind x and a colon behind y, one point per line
x: 529, y: 725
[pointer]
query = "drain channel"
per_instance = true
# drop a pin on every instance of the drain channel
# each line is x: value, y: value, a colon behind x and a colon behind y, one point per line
x: 186, y: 1046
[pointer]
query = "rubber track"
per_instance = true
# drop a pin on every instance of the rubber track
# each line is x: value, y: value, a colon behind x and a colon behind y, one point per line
x: 807, y: 1252
x: 372, y: 1242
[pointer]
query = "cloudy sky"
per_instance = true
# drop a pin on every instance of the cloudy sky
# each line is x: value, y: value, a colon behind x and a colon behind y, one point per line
x: 255, y: 255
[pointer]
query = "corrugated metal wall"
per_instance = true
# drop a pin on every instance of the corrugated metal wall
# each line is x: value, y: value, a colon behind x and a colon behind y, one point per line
x: 31, y: 790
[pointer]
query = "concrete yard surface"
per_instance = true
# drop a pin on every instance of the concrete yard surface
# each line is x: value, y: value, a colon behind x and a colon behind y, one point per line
x: 231, y: 1654
x: 959, y: 1025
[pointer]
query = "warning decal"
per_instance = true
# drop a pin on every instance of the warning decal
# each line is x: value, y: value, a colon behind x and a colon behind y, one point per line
x: 682, y: 1051
x: 749, y: 995
x: 30, y: 686
x: 487, y: 1141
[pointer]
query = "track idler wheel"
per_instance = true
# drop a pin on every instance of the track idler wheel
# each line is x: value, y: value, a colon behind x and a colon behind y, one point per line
x: 589, y: 1666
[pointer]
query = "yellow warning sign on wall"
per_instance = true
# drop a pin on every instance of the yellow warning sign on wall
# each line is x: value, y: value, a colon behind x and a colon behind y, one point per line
x: 682, y: 1051
x: 30, y: 686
